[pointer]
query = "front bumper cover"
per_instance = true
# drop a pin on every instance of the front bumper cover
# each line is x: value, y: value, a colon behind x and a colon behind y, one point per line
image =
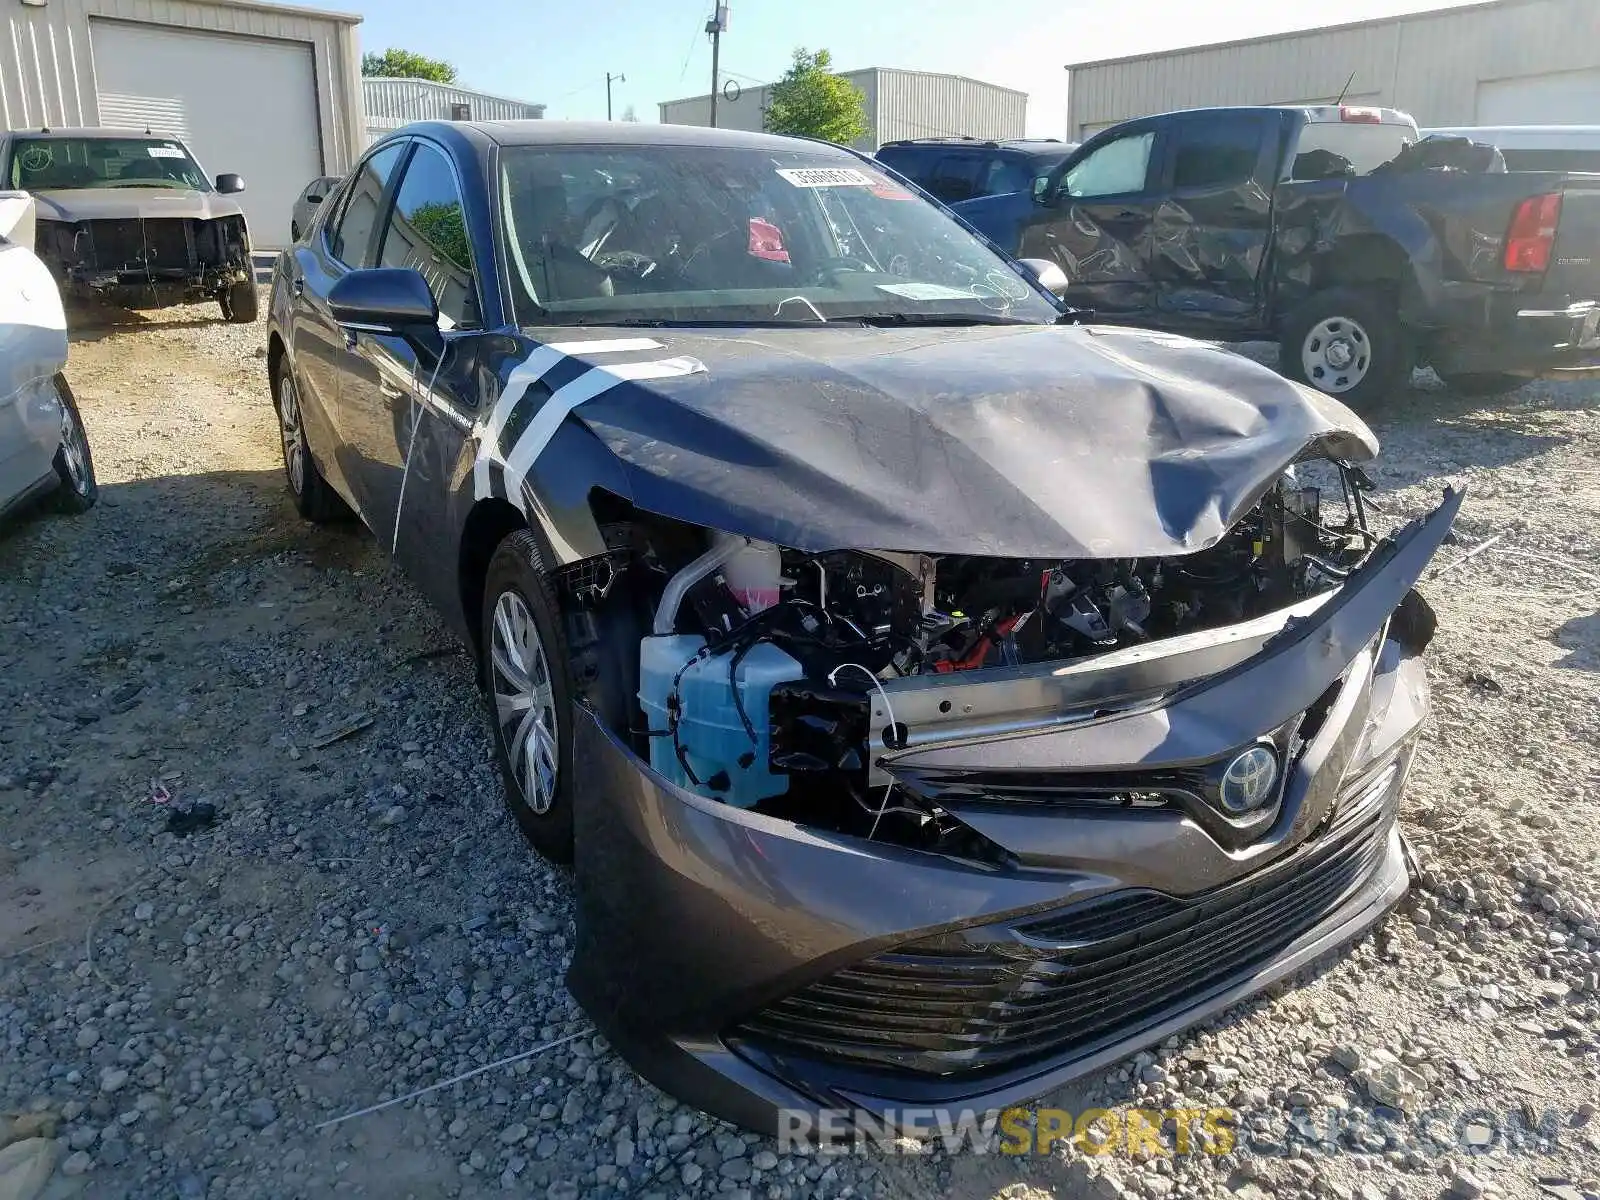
x: 703, y: 928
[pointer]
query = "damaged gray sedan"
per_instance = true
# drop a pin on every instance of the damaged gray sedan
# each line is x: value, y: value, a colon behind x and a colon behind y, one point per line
x: 938, y: 697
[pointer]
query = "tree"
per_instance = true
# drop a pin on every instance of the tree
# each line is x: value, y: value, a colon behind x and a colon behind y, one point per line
x: 811, y: 101
x: 407, y: 64
x: 629, y: 115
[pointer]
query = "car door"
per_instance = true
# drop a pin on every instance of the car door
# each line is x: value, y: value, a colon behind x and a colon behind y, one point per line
x: 1214, y: 224
x: 393, y: 383
x: 1098, y: 222
x: 322, y: 352
x: 33, y: 346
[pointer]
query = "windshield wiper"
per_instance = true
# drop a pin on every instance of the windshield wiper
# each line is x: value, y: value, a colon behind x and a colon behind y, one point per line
x: 901, y: 318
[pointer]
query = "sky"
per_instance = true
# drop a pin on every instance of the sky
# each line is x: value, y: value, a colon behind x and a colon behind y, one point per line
x: 558, y: 53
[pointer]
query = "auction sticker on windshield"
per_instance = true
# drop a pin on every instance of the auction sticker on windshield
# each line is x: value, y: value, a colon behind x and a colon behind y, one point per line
x: 163, y: 152
x: 824, y: 177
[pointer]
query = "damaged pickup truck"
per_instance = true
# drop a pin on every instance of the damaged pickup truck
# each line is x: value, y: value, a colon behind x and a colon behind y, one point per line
x: 938, y: 698
x: 129, y: 218
x: 1330, y: 231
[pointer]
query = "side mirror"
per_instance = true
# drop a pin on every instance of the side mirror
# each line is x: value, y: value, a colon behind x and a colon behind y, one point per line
x: 313, y: 199
x: 390, y: 300
x: 1041, y: 189
x: 1050, y: 276
x: 228, y: 184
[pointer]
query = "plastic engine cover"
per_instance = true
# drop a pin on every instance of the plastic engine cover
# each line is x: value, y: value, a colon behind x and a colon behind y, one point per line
x: 729, y: 766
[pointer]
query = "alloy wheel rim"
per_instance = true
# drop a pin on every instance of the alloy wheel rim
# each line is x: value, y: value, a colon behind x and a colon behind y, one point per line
x: 294, y: 440
x: 1336, y: 354
x: 74, y: 453
x: 525, y: 701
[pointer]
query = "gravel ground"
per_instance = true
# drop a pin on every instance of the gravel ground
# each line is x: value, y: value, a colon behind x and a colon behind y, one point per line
x: 179, y: 1012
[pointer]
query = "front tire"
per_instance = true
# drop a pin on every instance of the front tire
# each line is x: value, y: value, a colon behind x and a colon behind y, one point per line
x: 240, y: 303
x: 74, y: 463
x: 1347, y: 343
x: 528, y: 676
x: 314, y: 497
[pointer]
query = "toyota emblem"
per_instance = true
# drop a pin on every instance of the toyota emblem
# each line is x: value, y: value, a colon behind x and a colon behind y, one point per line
x: 1250, y: 781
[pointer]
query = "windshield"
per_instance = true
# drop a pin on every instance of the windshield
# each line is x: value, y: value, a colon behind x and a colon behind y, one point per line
x: 643, y: 235
x: 62, y: 164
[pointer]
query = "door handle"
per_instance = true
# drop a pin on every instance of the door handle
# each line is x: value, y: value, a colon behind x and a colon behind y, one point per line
x: 297, y: 286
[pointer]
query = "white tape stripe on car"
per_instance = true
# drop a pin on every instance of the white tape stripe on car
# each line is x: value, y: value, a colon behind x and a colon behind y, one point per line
x: 523, y: 376
x: 581, y: 390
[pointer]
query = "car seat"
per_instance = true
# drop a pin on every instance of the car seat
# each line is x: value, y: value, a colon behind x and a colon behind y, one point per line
x: 555, y: 268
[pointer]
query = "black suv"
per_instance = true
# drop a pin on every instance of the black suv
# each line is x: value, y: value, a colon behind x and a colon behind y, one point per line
x: 963, y: 168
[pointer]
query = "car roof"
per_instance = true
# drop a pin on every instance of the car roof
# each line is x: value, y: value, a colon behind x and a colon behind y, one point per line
x: 1044, y: 145
x: 617, y: 133
x: 89, y: 131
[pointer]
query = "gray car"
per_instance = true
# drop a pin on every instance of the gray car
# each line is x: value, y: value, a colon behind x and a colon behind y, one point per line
x: 43, y: 447
x: 305, y: 204
x: 130, y: 217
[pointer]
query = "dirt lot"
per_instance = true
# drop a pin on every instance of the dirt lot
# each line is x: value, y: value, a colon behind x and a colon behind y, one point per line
x: 178, y: 1013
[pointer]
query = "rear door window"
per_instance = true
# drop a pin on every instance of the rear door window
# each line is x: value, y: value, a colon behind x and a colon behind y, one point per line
x: 1215, y: 154
x: 956, y: 176
x: 350, y: 233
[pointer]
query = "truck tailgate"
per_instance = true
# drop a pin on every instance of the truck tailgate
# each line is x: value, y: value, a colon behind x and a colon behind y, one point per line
x: 1575, y: 256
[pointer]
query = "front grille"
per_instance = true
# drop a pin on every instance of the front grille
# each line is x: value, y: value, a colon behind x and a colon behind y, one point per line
x: 1067, y: 983
x: 138, y: 245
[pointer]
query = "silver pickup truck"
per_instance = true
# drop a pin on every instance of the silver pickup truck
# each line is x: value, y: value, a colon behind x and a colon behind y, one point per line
x: 130, y: 218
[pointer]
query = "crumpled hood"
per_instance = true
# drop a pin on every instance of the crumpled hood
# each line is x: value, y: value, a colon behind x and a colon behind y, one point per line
x: 1008, y: 441
x: 94, y: 204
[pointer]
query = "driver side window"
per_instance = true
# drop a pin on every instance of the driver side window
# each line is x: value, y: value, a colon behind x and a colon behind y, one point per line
x: 1115, y: 169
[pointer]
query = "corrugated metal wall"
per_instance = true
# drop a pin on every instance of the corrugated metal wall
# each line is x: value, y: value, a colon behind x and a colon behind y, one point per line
x: 391, y: 103
x: 47, y: 67
x: 900, y: 104
x: 1429, y: 64
x: 915, y: 104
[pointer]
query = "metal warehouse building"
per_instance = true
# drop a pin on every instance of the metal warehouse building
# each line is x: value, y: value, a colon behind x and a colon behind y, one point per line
x: 270, y: 92
x: 391, y: 103
x: 900, y: 104
x: 1509, y: 62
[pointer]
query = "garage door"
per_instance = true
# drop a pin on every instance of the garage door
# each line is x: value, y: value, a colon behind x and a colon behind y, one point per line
x: 246, y: 105
x: 1565, y: 98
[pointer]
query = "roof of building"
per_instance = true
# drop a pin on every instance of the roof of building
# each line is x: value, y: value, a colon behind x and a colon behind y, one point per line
x: 462, y: 89
x: 1393, y: 19
x: 868, y: 71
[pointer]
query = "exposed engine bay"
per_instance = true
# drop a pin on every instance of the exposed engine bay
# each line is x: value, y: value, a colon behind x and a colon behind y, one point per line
x: 765, y: 673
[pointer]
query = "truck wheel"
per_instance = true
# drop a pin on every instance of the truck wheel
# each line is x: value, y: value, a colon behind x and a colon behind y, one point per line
x: 1347, y: 343
x: 1486, y: 383
x: 241, y: 303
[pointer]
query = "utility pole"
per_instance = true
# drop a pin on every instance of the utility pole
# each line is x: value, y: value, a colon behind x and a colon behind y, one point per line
x: 716, y: 27
x: 610, y: 78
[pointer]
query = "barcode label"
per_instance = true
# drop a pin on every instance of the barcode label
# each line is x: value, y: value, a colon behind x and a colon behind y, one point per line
x: 822, y: 177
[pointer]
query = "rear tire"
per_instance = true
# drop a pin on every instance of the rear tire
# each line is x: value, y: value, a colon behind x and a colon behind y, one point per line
x: 1485, y: 383
x: 74, y: 463
x: 241, y: 303
x: 314, y: 497
x: 527, y: 668
x: 1348, y: 343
